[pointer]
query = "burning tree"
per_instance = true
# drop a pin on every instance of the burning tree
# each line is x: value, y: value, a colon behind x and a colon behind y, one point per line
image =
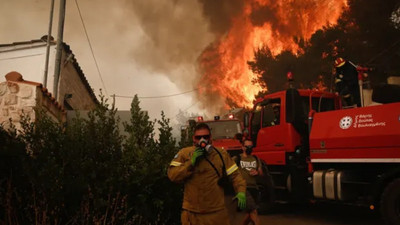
x: 357, y: 37
x: 257, y: 24
x: 259, y: 41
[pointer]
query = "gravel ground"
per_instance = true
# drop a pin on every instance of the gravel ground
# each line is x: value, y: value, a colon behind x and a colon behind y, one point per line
x: 312, y: 214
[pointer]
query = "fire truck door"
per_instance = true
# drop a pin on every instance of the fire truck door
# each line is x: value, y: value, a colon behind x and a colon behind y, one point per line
x: 270, y: 138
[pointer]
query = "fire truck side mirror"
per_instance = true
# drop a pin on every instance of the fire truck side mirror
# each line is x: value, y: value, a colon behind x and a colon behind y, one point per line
x: 295, y: 111
x: 239, y: 136
x: 246, y: 118
x: 192, y: 123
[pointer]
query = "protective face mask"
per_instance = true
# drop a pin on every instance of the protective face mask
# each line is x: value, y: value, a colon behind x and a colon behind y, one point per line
x: 202, y: 143
x: 249, y: 150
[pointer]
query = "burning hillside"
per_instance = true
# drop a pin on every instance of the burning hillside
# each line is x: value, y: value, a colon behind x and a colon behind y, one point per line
x: 225, y: 75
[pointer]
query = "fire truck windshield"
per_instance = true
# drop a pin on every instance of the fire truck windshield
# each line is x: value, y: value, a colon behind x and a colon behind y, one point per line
x: 224, y: 129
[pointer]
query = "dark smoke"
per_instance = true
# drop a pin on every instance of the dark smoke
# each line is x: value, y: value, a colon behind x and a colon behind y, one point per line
x: 220, y: 12
x: 263, y: 14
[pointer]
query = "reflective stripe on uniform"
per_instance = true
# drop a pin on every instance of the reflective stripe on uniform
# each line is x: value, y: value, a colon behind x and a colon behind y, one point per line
x: 175, y: 163
x: 231, y: 169
x: 337, y: 80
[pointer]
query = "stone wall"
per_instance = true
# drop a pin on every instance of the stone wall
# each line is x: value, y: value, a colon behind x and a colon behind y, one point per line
x: 16, y: 99
x: 23, y: 98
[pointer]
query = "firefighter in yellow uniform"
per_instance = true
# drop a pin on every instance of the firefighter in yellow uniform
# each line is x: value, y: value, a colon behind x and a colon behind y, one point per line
x: 200, y: 169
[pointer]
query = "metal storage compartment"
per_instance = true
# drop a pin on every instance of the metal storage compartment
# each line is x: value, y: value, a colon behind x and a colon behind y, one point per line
x: 330, y: 184
x: 318, y: 184
x: 327, y: 184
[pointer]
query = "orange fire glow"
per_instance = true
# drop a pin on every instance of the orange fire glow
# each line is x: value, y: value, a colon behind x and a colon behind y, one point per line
x: 269, y: 23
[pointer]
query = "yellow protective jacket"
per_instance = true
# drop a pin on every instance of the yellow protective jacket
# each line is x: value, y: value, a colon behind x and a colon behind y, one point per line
x: 202, y: 193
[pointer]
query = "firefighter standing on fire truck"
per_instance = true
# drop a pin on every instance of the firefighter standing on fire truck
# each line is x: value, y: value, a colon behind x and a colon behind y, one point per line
x: 346, y: 82
x: 200, y: 170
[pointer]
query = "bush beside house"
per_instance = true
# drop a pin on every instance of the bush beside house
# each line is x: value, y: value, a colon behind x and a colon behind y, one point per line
x: 86, y: 172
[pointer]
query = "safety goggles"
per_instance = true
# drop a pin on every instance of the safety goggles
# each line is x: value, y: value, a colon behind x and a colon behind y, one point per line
x: 198, y: 137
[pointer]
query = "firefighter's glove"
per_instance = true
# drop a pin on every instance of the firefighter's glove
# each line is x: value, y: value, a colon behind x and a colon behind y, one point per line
x: 199, y: 152
x: 241, y: 197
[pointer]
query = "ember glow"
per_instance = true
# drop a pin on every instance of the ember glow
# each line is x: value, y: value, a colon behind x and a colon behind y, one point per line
x: 270, y: 23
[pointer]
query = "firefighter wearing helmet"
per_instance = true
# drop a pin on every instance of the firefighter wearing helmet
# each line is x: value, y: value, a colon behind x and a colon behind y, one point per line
x: 346, y: 82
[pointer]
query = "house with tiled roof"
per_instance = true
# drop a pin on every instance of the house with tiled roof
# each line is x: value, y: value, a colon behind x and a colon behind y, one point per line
x: 28, y: 58
x: 19, y: 97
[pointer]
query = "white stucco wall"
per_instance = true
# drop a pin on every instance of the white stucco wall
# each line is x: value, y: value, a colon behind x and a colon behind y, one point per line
x: 29, y: 62
x: 29, y: 59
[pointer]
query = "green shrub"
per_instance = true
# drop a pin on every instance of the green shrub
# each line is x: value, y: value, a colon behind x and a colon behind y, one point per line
x: 86, y: 172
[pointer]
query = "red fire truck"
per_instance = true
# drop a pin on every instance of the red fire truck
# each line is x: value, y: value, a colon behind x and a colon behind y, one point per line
x: 225, y: 132
x: 314, y: 150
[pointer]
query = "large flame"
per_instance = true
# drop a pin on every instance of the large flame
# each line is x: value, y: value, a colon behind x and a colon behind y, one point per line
x: 269, y: 23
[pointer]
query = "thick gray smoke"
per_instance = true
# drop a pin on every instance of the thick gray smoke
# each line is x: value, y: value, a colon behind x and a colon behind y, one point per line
x: 175, y: 34
x: 163, y: 37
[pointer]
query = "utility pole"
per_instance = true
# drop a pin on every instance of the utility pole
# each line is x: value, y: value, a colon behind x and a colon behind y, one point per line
x: 57, y: 67
x: 46, y: 67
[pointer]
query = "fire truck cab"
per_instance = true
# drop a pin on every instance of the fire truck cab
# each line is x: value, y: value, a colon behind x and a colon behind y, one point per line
x: 225, y: 133
x: 275, y: 119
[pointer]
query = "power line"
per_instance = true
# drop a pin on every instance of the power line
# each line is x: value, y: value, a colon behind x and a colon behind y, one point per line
x: 24, y: 56
x: 382, y: 52
x: 160, y: 96
x: 186, y: 109
x: 91, y: 49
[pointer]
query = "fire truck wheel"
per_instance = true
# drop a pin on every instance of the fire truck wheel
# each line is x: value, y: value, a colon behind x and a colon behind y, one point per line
x: 390, y: 203
x: 266, y: 200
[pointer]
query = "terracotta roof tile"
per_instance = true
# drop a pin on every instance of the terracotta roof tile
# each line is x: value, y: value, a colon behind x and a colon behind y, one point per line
x: 67, y: 49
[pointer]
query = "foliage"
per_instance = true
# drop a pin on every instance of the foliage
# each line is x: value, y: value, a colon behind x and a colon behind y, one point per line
x: 12, y: 158
x: 147, y: 160
x: 86, y: 172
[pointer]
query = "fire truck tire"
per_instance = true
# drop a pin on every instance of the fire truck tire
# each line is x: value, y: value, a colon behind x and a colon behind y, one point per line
x: 267, y: 199
x: 390, y: 203
x: 267, y: 194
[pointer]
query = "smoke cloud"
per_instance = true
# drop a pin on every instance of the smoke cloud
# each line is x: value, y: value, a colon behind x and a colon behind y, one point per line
x: 175, y: 33
x: 166, y: 38
x: 219, y: 14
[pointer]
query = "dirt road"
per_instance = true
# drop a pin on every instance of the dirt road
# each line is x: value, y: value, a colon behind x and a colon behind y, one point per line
x: 315, y: 214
